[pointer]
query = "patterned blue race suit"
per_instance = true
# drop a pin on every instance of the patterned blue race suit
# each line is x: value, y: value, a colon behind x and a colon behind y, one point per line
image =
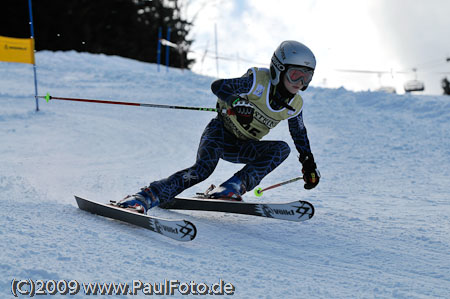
x: 260, y: 157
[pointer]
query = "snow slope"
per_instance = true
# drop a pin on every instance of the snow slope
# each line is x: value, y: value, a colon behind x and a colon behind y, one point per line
x: 382, y: 221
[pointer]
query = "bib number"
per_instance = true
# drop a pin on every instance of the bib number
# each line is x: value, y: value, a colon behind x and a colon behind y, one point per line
x: 253, y: 131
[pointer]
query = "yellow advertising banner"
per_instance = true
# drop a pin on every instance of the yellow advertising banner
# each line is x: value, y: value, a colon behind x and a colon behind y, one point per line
x: 17, y: 49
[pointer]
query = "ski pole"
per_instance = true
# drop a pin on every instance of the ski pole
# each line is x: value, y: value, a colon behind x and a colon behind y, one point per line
x: 48, y: 97
x: 259, y: 191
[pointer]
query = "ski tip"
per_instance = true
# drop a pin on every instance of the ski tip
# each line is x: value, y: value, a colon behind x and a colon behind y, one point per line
x: 308, y: 208
x: 190, y: 233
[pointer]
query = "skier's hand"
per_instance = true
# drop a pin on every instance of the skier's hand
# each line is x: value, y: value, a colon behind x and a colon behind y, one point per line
x: 243, y: 109
x: 311, y: 174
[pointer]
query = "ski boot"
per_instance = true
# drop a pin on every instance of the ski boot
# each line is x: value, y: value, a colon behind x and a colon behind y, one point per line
x: 232, y: 189
x: 140, y: 202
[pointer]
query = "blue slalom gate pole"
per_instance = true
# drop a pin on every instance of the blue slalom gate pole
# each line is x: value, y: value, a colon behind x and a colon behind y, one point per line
x: 34, y: 63
x: 167, y: 49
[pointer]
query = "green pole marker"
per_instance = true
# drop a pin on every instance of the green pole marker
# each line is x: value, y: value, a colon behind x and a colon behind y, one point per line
x: 47, y: 97
x: 258, y: 192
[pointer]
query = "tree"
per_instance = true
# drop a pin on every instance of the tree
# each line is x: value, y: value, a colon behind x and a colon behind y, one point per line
x: 446, y: 86
x: 127, y: 28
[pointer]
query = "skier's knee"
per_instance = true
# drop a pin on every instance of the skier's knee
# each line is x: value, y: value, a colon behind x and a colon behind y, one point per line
x: 284, y: 150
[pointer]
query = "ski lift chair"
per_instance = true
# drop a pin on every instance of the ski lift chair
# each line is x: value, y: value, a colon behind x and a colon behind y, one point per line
x: 414, y: 85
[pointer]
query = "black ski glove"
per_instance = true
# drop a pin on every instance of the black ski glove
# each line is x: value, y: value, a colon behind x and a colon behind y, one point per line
x: 311, y: 174
x: 243, y: 110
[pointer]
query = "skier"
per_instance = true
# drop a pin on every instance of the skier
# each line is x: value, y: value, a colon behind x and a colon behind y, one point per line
x: 255, y: 103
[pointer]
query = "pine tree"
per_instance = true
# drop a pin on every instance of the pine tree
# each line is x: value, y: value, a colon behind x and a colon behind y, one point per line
x: 128, y: 28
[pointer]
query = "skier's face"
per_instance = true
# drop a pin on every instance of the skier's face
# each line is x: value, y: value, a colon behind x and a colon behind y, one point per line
x: 292, y: 87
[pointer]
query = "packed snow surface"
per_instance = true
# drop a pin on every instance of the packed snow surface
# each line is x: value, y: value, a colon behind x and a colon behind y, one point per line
x: 382, y: 222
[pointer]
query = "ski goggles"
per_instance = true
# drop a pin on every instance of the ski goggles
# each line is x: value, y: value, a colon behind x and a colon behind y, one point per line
x: 299, y: 74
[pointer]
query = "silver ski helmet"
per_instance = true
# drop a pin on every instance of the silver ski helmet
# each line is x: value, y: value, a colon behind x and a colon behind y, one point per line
x: 290, y: 53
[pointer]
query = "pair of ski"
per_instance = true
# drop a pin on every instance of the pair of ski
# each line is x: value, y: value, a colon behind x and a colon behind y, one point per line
x: 183, y: 230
